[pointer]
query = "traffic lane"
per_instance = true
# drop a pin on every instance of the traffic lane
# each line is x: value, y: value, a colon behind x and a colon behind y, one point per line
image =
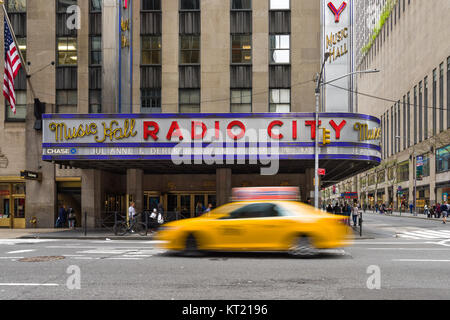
x: 230, y: 276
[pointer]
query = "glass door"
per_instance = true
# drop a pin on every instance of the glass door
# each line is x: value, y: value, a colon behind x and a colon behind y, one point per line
x: 5, y: 206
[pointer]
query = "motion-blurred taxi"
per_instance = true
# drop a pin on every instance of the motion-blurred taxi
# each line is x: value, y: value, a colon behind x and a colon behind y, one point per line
x: 258, y: 225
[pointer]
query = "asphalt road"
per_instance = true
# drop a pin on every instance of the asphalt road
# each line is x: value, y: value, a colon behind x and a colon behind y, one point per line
x: 411, y: 256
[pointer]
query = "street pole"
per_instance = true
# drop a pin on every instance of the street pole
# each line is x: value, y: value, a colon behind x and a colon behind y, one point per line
x: 316, y: 170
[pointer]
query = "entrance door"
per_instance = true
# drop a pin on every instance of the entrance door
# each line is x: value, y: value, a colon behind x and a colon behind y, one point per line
x: 5, y: 207
x: 185, y: 205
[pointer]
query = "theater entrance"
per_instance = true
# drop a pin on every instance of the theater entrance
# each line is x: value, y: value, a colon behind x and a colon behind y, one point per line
x: 186, y: 205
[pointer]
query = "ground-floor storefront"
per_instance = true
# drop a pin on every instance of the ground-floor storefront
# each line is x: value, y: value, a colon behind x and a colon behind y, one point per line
x: 12, y: 202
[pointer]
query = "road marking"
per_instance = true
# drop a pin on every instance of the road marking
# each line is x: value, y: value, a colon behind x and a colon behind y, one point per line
x: 6, y: 258
x: 29, y: 285
x: 20, y: 241
x: 411, y: 249
x: 20, y: 251
x: 123, y: 259
x: 419, y: 260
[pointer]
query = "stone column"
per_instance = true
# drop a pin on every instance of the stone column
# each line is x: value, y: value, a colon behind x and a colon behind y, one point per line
x: 111, y: 44
x: 223, y: 186
x: 41, y: 196
x: 170, y: 52
x: 260, y: 56
x: 91, y: 197
x: 135, y: 188
x: 309, y: 185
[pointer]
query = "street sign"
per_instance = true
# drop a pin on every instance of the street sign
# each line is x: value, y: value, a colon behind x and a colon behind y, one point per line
x: 29, y: 175
x: 321, y: 172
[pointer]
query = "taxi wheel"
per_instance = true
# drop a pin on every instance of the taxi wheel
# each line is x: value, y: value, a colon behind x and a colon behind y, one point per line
x: 302, y: 248
x: 191, y: 247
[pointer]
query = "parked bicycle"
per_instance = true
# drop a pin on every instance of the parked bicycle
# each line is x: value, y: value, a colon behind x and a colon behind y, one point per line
x: 121, y: 228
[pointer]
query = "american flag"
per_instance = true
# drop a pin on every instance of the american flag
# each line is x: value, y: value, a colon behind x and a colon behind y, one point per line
x: 12, y: 66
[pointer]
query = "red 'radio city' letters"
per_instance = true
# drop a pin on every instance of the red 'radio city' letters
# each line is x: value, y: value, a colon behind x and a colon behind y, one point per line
x: 199, y: 130
x: 337, y: 12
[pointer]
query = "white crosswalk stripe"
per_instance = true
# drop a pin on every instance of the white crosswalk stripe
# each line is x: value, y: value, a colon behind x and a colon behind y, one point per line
x: 424, y: 234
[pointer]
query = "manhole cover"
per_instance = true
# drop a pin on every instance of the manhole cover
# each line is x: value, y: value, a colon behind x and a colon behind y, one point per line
x: 42, y: 259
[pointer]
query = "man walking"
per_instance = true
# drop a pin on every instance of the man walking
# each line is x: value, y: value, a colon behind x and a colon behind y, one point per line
x: 355, y: 214
x: 131, y: 214
x: 444, y: 210
x: 62, y: 215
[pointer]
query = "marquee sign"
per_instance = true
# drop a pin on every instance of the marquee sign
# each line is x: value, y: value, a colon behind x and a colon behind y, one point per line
x: 163, y: 136
x: 337, y: 40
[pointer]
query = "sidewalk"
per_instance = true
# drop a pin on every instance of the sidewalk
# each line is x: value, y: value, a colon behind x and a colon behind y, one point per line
x: 405, y: 215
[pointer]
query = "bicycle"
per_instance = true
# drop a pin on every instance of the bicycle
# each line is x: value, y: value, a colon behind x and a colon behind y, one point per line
x: 122, y: 228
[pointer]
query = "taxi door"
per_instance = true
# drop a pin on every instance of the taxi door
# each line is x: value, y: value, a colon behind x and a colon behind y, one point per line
x: 254, y: 226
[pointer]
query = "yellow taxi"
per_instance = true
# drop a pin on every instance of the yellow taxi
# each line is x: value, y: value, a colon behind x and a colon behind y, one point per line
x: 259, y: 225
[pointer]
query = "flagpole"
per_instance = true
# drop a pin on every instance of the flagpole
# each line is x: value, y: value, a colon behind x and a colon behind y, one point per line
x: 18, y: 48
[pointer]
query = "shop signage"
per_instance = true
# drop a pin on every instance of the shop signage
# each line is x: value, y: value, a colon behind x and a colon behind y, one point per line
x: 349, y: 195
x: 4, y: 192
x: 141, y: 136
x: 321, y: 172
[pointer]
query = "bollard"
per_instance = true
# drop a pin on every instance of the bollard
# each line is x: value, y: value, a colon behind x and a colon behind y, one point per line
x: 360, y: 225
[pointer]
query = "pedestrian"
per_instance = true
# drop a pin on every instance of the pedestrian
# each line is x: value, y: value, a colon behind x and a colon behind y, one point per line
x: 376, y: 208
x: 329, y: 208
x: 209, y: 209
x: 199, y: 209
x: 426, y: 211
x: 432, y: 211
x: 355, y: 214
x: 438, y: 210
x: 62, y: 216
x: 71, y: 218
x: 131, y: 214
x: 411, y: 208
x: 365, y: 207
x: 444, y: 210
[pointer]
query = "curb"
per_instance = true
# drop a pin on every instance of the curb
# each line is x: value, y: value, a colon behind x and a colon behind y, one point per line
x: 88, y: 238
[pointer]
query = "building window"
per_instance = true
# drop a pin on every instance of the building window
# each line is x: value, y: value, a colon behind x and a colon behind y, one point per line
x: 280, y: 4
x: 403, y: 172
x: 443, y: 159
x: 425, y: 103
x: 95, y: 101
x: 241, y: 49
x: 67, y: 51
x: 151, y: 50
x: 280, y: 49
x: 21, y: 107
x: 66, y: 101
x: 16, y: 6
x: 190, y: 4
x: 420, y: 111
x: 241, y: 101
x: 241, y: 4
x: 189, y: 100
x: 151, y: 5
x: 415, y: 115
x: 189, y: 49
x: 434, y: 101
x: 448, y: 93
x: 381, y: 176
x: 441, y: 97
x: 280, y: 100
x: 95, y: 50
x: 151, y: 101
x: 96, y: 6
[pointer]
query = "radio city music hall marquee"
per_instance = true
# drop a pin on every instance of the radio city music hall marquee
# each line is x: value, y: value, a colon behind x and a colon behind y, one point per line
x: 159, y: 137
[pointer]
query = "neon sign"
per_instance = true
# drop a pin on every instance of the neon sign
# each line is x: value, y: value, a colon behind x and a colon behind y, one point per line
x: 337, y: 12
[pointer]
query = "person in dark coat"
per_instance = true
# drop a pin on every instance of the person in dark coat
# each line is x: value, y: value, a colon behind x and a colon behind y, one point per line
x: 62, y: 217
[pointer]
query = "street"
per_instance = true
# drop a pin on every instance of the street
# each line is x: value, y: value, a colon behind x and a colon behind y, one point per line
x: 413, y: 257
